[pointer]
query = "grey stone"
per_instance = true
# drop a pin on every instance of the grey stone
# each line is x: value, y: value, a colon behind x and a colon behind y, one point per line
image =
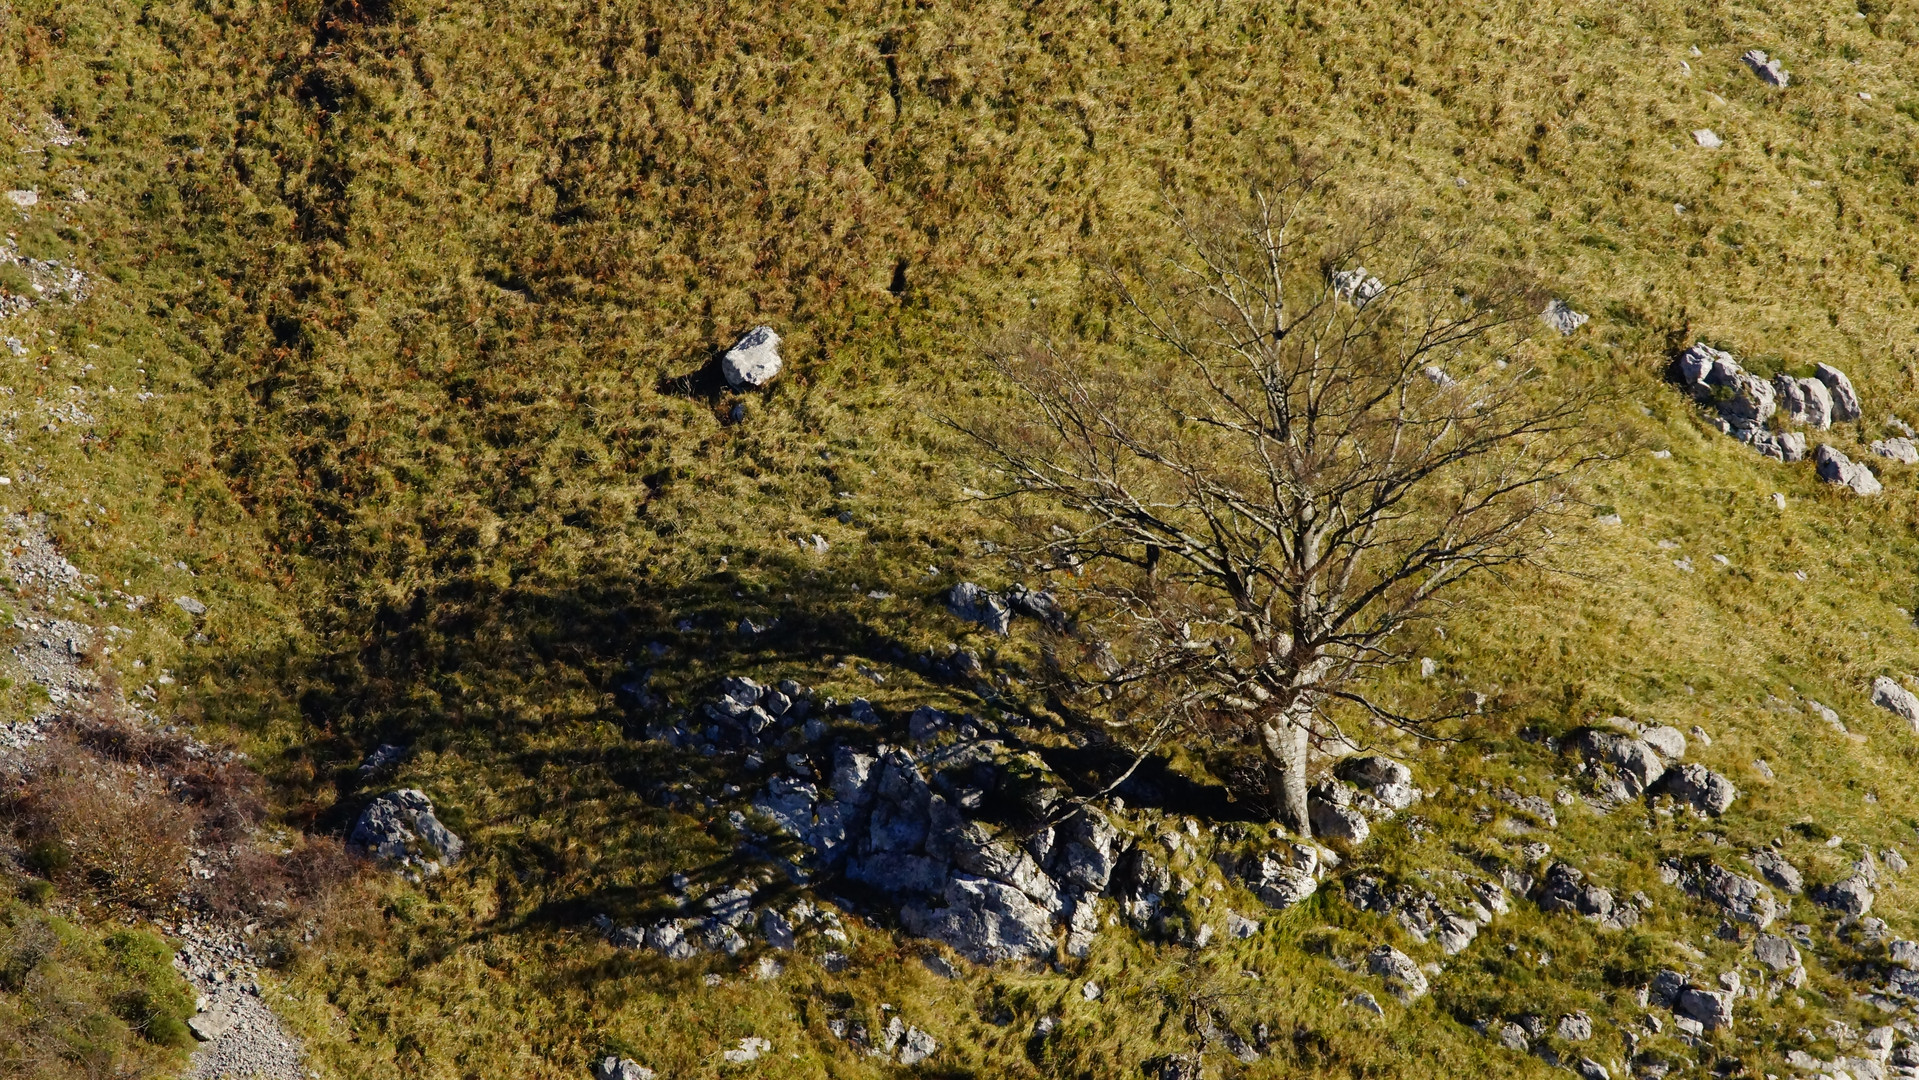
x: 400, y: 827
x: 1561, y: 317
x: 754, y: 360
x: 777, y: 929
x: 1575, y: 1027
x: 1777, y: 953
x: 1665, y: 988
x: 1852, y: 895
x: 1699, y: 786
x: 1338, y: 822
x: 1769, y: 70
x: 1836, y: 468
x: 1401, y: 975
x: 1588, y: 1069
x: 1636, y: 759
x: 1774, y: 868
x: 1845, y: 400
x: 1565, y: 890
x: 985, y: 921
x: 619, y: 1068
x: 1513, y: 1037
x: 976, y: 605
x: 915, y: 1046
x: 853, y: 776
x: 1896, y: 699
x: 749, y: 1049
x: 1905, y: 954
x: 1900, y: 449
x: 1356, y: 286
x: 1711, y: 1008
x: 1454, y: 933
x: 1804, y: 401
x: 1743, y: 898
x: 191, y: 606
x: 1668, y: 741
x: 1178, y: 1067
x: 1373, y: 771
x: 384, y: 757
x: 1037, y: 604
x: 209, y: 1026
x: 1278, y: 883
x: 1239, y: 927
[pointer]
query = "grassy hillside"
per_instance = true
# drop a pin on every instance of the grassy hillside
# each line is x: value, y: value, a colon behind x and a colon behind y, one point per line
x: 427, y: 293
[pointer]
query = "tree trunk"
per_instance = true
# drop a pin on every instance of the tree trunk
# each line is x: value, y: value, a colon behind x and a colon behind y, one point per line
x: 1284, y: 739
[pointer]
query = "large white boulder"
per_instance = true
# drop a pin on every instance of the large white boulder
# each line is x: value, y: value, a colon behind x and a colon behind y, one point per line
x: 754, y: 360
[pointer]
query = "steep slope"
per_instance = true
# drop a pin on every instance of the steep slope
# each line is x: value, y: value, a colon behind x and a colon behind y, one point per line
x: 427, y: 297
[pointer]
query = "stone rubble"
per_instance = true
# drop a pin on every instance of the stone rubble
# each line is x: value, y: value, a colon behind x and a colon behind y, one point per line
x: 1563, y: 318
x: 1769, y: 69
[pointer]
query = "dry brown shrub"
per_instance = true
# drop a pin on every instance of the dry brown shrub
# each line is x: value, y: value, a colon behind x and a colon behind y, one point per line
x: 125, y: 833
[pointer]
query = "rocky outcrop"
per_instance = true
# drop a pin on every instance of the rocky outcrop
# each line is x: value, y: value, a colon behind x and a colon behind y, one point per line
x: 1742, y: 898
x: 1774, y: 868
x: 1561, y: 317
x: 1838, y: 469
x: 1854, y: 893
x: 1845, y: 400
x: 1745, y: 403
x: 754, y: 360
x: 1357, y: 287
x: 1400, y: 974
x: 1896, y: 699
x: 619, y: 1068
x: 995, y: 611
x: 1699, y: 787
x: 1452, y: 922
x: 1565, y: 889
x: 400, y: 827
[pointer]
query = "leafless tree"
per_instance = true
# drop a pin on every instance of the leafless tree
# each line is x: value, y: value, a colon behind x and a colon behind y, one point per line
x: 1273, y: 463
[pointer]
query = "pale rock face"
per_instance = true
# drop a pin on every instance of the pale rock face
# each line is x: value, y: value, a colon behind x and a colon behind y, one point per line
x: 1710, y: 1008
x: 1708, y: 139
x: 754, y: 360
x: 1898, y: 448
x: 1357, y: 287
x: 1804, y: 401
x: 1402, y: 976
x: 1836, y: 468
x: 1563, y: 318
x: 1777, y: 953
x: 1845, y: 400
x: 1670, y: 742
x: 1701, y: 787
x: 1896, y: 699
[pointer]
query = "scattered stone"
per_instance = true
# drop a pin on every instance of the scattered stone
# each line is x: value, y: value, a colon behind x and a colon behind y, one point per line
x: 1637, y: 761
x: 754, y: 360
x: 1513, y: 1037
x: 1707, y: 138
x: 1090, y: 991
x: 1575, y: 1027
x: 1280, y: 881
x: 1744, y: 401
x: 1845, y: 400
x: 1774, y: 868
x: 1563, y: 318
x: 1769, y: 70
x: 1699, y: 786
x: 400, y: 827
x: 1357, y: 287
x: 191, y: 606
x: 1589, y: 1069
x: 974, y: 604
x: 1836, y: 468
x: 619, y: 1068
x: 1850, y: 895
x: 1239, y: 927
x: 750, y: 1049
x: 1900, y: 449
x: 1401, y: 975
x: 1777, y: 953
x: 915, y: 1046
x: 1742, y: 898
x: 1896, y: 699
x: 1566, y: 890
x: 1368, y: 1002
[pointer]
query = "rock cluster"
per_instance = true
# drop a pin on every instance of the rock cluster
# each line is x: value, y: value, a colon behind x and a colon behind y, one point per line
x: 1625, y: 767
x: 1357, y: 287
x: 995, y: 611
x: 400, y: 827
x: 1565, y: 889
x: 614, y: 1067
x: 1452, y: 922
x: 1742, y: 898
x: 1695, y: 1009
x: 1361, y: 790
x: 1745, y: 402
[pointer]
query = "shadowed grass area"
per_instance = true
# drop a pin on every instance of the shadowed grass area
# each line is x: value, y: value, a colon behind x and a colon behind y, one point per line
x: 430, y: 293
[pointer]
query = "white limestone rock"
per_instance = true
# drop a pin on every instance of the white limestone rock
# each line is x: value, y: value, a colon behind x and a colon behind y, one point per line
x: 754, y: 360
